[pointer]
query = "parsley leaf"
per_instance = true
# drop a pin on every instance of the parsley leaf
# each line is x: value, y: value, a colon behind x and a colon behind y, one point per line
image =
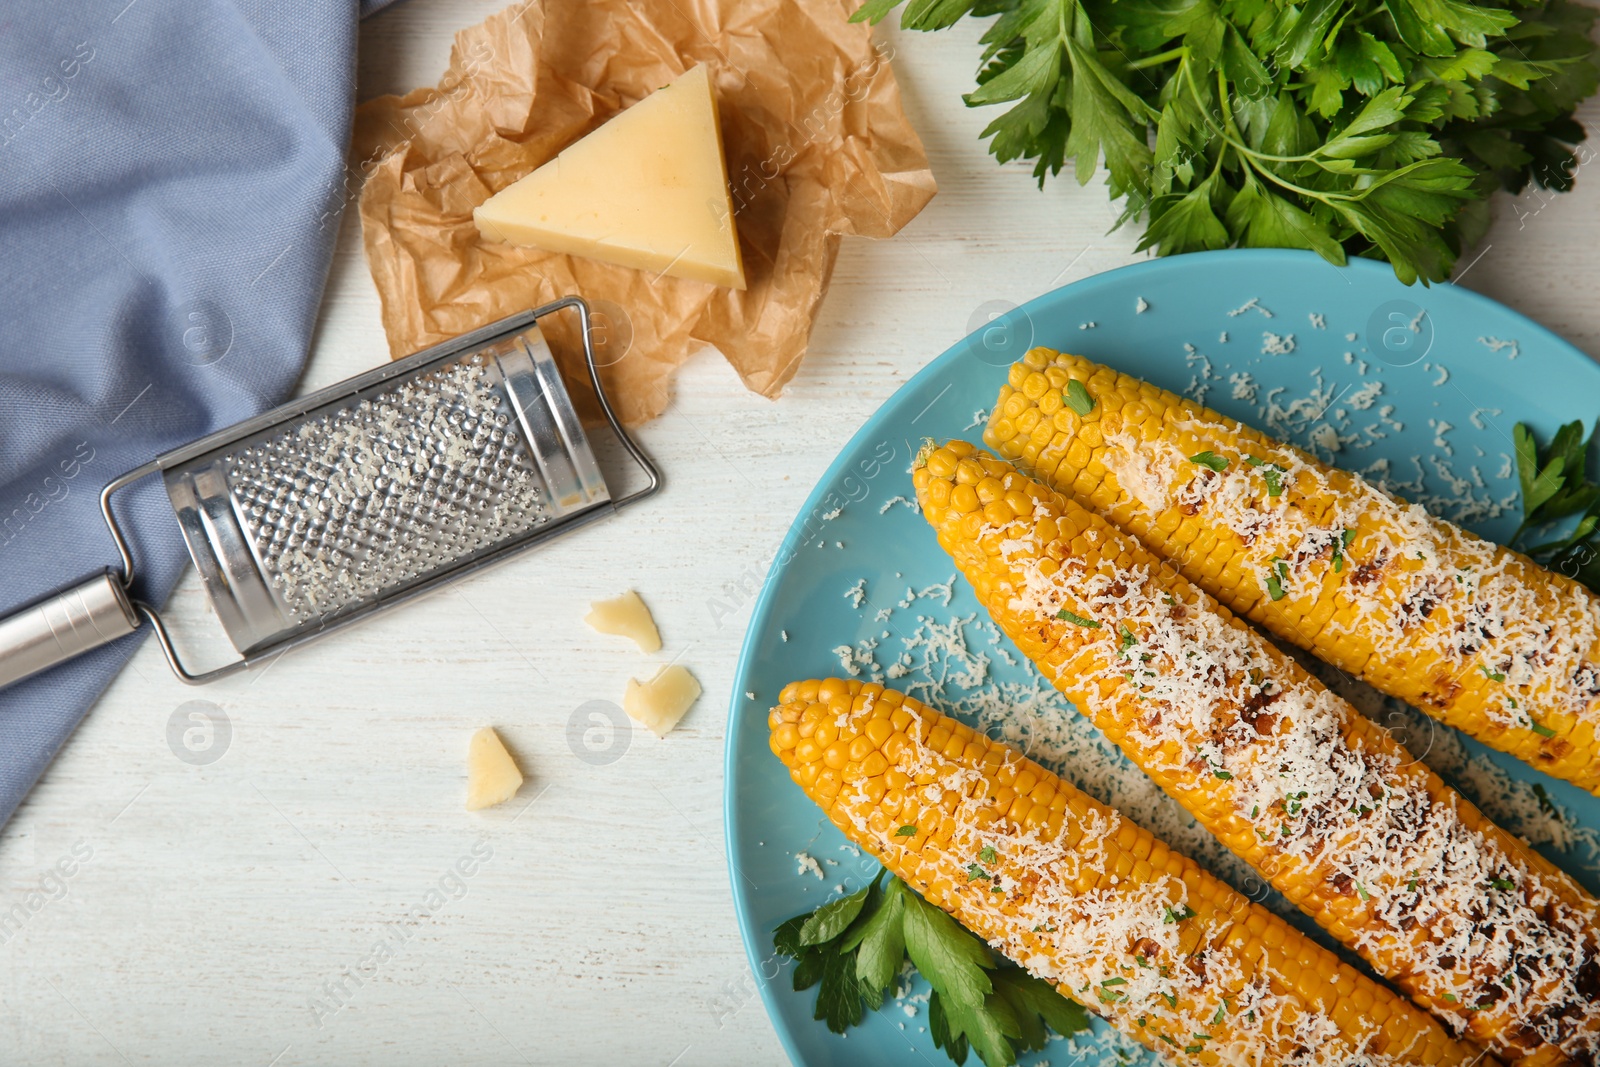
x: 978, y: 1003
x: 1077, y: 620
x: 1077, y: 398
x: 1210, y: 459
x: 830, y: 920
x: 1556, y: 486
x: 1372, y: 128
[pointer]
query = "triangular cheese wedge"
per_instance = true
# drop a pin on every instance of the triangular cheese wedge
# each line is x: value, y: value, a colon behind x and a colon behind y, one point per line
x: 648, y: 190
x: 492, y: 775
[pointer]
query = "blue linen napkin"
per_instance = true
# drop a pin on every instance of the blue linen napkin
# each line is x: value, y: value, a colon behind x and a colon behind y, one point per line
x: 172, y: 174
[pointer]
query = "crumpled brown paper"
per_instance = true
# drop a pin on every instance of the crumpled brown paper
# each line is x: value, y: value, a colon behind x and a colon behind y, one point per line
x: 817, y: 145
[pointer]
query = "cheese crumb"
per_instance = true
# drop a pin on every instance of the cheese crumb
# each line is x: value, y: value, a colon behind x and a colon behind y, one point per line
x: 1495, y: 344
x: 1273, y: 345
x: 492, y: 775
x: 659, y: 703
x: 625, y: 616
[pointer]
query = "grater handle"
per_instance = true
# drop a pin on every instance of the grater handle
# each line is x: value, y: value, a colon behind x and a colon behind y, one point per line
x: 80, y: 618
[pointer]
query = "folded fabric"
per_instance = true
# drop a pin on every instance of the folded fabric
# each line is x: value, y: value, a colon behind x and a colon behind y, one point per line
x: 172, y: 176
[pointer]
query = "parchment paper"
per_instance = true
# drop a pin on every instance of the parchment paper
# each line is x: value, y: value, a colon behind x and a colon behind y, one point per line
x: 817, y: 146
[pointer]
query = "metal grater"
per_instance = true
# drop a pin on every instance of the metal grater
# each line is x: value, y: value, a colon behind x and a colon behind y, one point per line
x: 355, y: 498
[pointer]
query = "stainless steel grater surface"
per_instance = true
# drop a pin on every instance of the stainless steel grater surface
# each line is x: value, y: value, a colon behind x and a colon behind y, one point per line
x: 372, y: 495
x: 356, y: 498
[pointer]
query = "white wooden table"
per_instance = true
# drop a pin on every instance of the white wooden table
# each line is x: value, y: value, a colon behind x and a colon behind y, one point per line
x: 228, y: 911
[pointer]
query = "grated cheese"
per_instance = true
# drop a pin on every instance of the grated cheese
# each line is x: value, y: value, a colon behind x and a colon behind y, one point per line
x: 1253, y: 304
x: 1081, y: 939
x: 1495, y: 344
x: 1302, y: 800
x: 1273, y: 345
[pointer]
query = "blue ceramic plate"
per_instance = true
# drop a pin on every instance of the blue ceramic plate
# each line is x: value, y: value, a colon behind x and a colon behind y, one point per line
x: 1420, y: 386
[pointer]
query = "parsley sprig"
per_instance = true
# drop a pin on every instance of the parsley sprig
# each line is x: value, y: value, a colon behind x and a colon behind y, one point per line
x: 852, y: 949
x: 1556, y: 486
x: 1349, y: 127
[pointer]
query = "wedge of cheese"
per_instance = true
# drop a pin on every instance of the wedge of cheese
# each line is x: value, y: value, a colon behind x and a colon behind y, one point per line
x: 647, y: 190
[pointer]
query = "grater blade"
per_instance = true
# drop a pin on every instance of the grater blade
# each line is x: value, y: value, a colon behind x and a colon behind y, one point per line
x: 344, y: 505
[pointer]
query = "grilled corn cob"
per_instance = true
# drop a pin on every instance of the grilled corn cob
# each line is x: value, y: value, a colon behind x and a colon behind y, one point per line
x: 1081, y: 896
x: 1465, y: 918
x: 1476, y: 635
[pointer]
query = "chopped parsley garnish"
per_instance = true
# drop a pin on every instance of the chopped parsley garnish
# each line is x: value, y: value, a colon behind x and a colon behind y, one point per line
x: 1077, y: 620
x: 1114, y: 981
x: 853, y: 949
x: 1451, y: 997
x: 1178, y: 916
x: 1222, y: 1011
x: 1505, y: 885
x: 1210, y: 460
x: 1361, y: 891
x: 987, y: 854
x: 1077, y: 398
x: 1171, y: 999
x: 1276, y: 576
x: 1128, y: 640
x: 1493, y: 676
x: 1274, y: 477
x: 1541, y: 729
x: 974, y: 871
x: 1411, y: 886
x: 1255, y: 461
x: 1343, y: 542
x: 1255, y: 811
x: 1224, y: 775
x: 908, y: 830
